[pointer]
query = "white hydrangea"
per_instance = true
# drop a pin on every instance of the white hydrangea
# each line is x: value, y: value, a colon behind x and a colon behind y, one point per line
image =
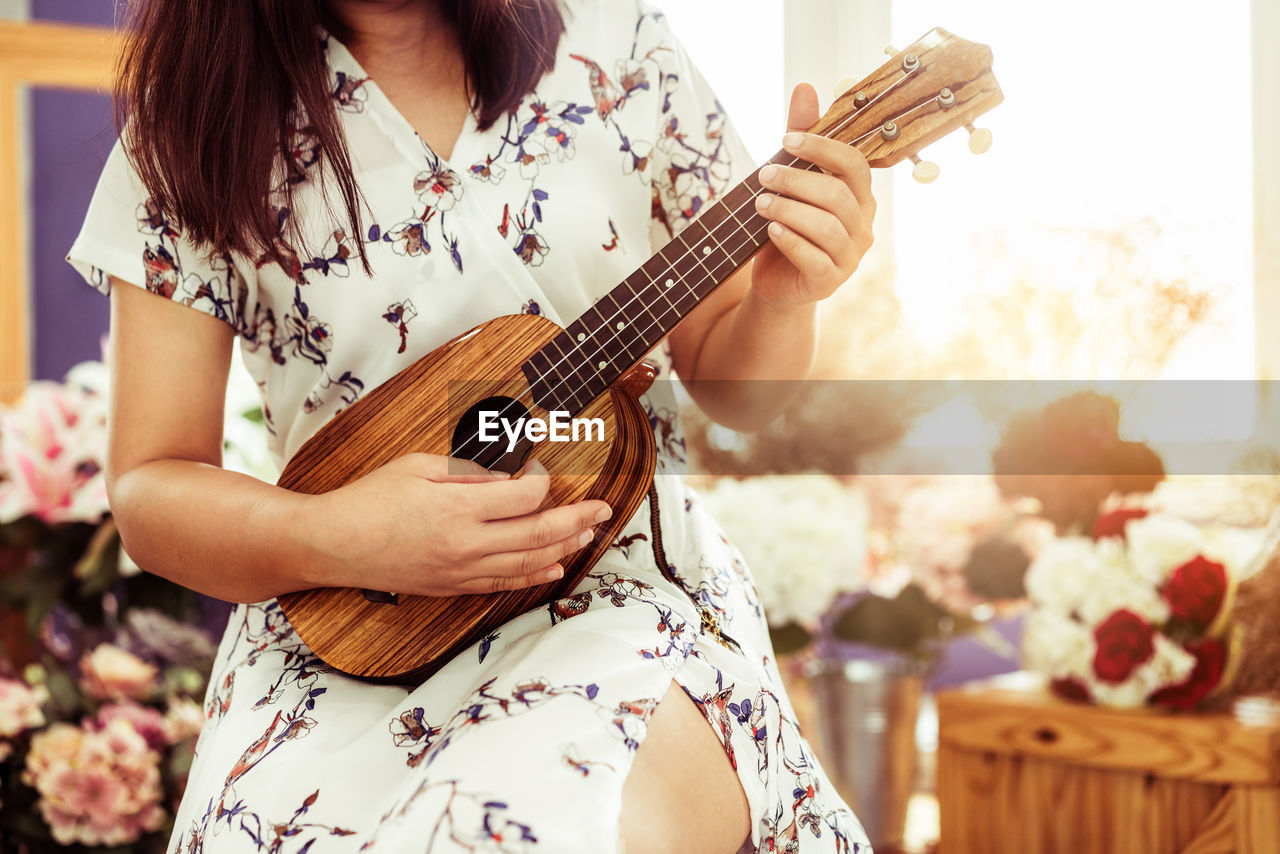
x: 1078, y: 583
x: 1159, y: 544
x: 1115, y: 583
x: 1063, y: 573
x: 802, y: 536
x: 1057, y: 646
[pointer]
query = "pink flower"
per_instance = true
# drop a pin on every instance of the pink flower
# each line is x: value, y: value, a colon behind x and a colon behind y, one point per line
x: 52, y: 447
x: 146, y: 722
x: 111, y: 673
x: 184, y: 719
x: 96, y: 786
x: 19, y: 708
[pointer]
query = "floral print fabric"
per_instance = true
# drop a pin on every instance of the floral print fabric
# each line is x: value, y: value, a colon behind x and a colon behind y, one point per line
x: 522, y: 742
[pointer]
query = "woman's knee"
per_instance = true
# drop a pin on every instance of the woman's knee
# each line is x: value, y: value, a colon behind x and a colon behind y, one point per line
x: 682, y: 794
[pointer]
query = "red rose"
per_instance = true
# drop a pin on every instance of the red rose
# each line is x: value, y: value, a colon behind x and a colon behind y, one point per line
x: 1124, y: 644
x: 1211, y: 660
x: 1112, y: 524
x: 1070, y: 688
x: 1196, y: 590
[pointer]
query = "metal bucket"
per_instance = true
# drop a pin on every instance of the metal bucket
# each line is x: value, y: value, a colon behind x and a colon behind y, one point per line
x: 866, y: 716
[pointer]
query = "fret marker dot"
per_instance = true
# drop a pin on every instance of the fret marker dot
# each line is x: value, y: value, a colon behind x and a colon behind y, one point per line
x: 669, y: 282
x: 706, y: 250
x: 601, y: 365
x: 621, y: 325
x: 582, y: 336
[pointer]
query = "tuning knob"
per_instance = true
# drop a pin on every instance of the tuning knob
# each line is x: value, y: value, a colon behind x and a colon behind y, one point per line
x: 979, y: 139
x: 890, y: 50
x: 845, y: 84
x: 925, y: 171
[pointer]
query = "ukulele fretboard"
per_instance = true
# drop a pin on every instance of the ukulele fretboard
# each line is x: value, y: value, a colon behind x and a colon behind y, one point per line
x: 616, y: 333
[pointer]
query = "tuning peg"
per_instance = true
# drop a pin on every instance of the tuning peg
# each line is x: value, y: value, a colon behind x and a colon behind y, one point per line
x: 890, y: 50
x: 925, y: 171
x: 845, y: 84
x: 979, y: 139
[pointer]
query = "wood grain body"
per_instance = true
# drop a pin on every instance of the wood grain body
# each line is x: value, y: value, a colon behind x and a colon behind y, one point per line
x: 1020, y: 771
x: 415, y: 411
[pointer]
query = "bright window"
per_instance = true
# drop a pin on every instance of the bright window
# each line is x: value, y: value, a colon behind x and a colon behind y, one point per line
x: 738, y: 48
x: 1121, y: 155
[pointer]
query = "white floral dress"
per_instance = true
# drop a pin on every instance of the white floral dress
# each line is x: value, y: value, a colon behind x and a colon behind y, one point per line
x: 522, y: 742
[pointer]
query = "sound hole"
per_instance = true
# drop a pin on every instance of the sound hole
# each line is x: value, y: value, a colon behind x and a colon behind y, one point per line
x: 494, y: 454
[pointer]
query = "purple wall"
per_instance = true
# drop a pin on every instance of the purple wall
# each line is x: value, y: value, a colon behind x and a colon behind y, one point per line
x: 99, y: 13
x: 71, y: 134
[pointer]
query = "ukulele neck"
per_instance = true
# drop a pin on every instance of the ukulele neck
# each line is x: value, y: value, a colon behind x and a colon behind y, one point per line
x: 613, y: 335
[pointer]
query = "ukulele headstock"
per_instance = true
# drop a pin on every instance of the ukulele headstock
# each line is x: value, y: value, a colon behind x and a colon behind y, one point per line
x: 938, y: 84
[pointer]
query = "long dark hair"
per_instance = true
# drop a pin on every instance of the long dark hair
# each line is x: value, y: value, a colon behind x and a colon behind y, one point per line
x: 209, y: 91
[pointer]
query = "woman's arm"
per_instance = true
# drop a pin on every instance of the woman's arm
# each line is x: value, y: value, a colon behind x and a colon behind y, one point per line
x: 409, y: 526
x: 761, y: 324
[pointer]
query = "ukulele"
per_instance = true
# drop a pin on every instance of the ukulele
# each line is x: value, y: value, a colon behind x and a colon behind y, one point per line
x: 454, y: 400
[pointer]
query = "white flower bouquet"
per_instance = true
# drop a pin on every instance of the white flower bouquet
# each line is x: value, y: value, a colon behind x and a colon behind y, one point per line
x: 1139, y: 614
x: 802, y: 536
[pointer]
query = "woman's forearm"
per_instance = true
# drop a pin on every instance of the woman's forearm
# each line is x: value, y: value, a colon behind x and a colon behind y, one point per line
x: 218, y: 532
x: 748, y: 345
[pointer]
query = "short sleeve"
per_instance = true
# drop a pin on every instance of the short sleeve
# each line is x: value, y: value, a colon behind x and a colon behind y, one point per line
x: 126, y: 236
x: 697, y: 154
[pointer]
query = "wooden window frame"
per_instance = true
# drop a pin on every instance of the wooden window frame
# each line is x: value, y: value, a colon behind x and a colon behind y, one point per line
x: 33, y: 54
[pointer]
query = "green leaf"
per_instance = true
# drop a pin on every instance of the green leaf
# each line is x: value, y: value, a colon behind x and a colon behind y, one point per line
x: 65, y: 699
x: 907, y: 622
x: 99, y: 566
x: 42, y: 593
x: 789, y: 638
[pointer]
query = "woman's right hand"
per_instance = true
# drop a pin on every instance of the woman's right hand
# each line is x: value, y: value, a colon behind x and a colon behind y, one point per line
x: 417, y: 526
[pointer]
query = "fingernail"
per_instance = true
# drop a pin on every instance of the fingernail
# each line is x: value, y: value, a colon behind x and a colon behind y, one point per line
x: 500, y: 475
x: 586, y: 537
x: 604, y: 514
x: 768, y: 173
x: 792, y: 141
x: 775, y: 229
x: 555, y: 574
x: 535, y: 467
x: 763, y: 201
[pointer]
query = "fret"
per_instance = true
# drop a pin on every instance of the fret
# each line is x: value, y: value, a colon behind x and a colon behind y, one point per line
x: 558, y: 371
x: 722, y: 257
x: 621, y: 310
x: 595, y: 318
x: 654, y: 274
x: 748, y: 238
x: 713, y: 216
x: 636, y: 295
x: 785, y: 158
x: 698, y: 276
x: 574, y: 371
x: 684, y: 297
x: 610, y: 356
x: 736, y: 199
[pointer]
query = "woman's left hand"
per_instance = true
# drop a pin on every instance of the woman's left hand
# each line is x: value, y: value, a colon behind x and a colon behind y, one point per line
x: 821, y: 221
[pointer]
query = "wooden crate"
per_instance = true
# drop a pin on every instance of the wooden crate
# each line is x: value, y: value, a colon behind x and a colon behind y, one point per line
x: 1020, y: 772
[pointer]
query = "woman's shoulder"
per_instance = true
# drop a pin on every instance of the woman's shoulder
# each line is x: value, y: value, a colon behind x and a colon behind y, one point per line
x: 609, y: 19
